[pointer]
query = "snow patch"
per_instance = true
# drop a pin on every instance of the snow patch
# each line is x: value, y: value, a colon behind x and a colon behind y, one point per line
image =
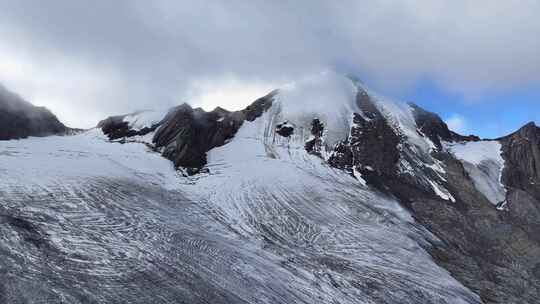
x: 477, y: 152
x: 400, y: 116
x: 327, y: 96
x: 442, y: 192
x: 145, y: 119
x: 46, y: 161
x: 484, y: 164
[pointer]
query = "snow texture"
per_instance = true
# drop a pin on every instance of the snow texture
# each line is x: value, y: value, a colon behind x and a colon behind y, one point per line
x: 327, y: 96
x: 484, y: 164
x: 415, y: 148
x: 93, y: 221
x: 145, y: 119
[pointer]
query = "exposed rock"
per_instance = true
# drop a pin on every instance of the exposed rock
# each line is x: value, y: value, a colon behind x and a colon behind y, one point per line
x: 432, y: 126
x: 342, y: 157
x: 372, y: 142
x: 20, y: 119
x: 285, y: 129
x: 521, y: 152
x: 314, y: 145
x: 186, y: 134
x: 258, y: 107
x: 484, y: 247
x: 116, y: 127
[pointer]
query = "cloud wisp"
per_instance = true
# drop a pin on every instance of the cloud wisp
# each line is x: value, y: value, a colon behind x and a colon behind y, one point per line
x: 457, y: 123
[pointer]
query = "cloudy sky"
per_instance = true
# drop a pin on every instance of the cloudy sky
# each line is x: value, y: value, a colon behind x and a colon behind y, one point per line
x: 475, y: 62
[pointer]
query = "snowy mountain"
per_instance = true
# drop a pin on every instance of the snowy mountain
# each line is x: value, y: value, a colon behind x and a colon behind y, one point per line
x: 320, y: 192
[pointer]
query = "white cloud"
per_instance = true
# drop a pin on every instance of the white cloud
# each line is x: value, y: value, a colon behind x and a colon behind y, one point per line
x: 228, y: 93
x: 116, y: 56
x: 457, y: 123
x: 75, y: 91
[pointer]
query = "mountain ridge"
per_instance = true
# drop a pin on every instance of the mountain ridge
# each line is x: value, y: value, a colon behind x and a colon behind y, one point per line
x: 378, y: 151
x: 334, y: 185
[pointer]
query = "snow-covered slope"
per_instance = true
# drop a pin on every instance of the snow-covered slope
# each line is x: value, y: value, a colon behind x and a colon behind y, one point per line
x: 269, y: 223
x: 145, y: 119
x: 60, y: 160
x: 326, y: 96
x: 484, y: 163
x: 320, y: 192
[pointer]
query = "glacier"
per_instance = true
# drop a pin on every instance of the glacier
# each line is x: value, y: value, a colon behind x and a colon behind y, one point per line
x: 89, y: 220
x: 322, y: 191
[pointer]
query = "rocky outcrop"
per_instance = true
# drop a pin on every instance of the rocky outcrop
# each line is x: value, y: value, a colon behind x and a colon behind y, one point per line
x: 116, y: 127
x: 285, y: 129
x: 432, y: 126
x: 487, y: 250
x: 342, y: 157
x: 521, y: 178
x: 373, y: 141
x: 315, y: 145
x: 371, y: 147
x: 21, y: 119
x: 521, y: 152
x: 186, y: 134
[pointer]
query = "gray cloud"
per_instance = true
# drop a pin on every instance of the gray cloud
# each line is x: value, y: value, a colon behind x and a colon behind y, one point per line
x: 89, y: 59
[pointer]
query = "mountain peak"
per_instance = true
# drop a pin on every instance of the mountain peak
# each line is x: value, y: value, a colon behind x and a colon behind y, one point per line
x: 390, y: 179
x: 530, y: 126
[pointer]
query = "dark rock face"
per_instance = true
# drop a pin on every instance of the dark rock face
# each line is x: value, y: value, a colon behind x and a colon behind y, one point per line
x: 374, y: 142
x: 20, y: 119
x: 186, y: 134
x: 342, y: 156
x: 432, y: 126
x: 521, y: 152
x: 115, y: 127
x: 492, y: 252
x: 486, y: 249
x: 258, y: 107
x: 372, y: 145
x: 314, y: 145
x: 285, y: 129
x: 521, y: 177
